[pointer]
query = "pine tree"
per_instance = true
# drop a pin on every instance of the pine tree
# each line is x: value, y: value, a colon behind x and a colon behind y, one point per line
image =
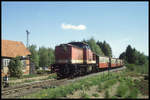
x: 122, y: 56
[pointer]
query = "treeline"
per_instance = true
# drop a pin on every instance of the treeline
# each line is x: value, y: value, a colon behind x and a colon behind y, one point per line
x: 43, y: 57
x: 135, y: 60
x: 132, y: 56
x: 100, y: 48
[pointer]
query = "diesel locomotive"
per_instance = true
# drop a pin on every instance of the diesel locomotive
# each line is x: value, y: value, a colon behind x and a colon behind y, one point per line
x: 76, y: 58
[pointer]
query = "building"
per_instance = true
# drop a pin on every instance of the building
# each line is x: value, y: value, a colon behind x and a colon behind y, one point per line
x: 11, y: 49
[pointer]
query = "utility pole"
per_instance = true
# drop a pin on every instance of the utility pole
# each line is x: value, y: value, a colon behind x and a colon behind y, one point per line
x: 109, y: 66
x: 27, y: 38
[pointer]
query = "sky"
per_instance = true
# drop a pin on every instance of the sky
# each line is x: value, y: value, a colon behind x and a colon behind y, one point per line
x: 52, y: 23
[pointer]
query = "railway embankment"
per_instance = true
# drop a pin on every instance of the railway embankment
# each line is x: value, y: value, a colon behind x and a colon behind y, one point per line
x: 116, y: 85
x: 30, y: 87
x: 15, y: 82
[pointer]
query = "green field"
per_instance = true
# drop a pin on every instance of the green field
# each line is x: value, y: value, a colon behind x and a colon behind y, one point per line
x: 123, y: 84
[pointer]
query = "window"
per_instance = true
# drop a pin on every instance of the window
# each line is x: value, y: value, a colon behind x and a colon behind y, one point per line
x: 6, y: 62
x: 102, y: 59
x: 107, y: 60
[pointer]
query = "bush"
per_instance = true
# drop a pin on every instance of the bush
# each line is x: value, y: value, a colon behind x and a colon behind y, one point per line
x: 131, y: 67
x: 95, y: 95
x: 143, y: 69
x: 15, y: 67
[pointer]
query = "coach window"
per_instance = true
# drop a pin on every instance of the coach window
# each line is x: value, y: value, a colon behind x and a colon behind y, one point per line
x: 104, y: 60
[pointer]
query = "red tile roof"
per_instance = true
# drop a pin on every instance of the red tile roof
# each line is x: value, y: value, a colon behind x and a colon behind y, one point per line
x: 13, y: 49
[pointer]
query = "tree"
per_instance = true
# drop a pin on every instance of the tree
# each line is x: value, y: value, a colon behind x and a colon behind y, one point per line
x: 132, y: 56
x: 51, y: 56
x: 105, y: 47
x: 43, y: 57
x: 122, y: 56
x: 129, y: 54
x: 34, y: 55
x: 15, y: 67
x: 142, y: 59
x: 94, y: 47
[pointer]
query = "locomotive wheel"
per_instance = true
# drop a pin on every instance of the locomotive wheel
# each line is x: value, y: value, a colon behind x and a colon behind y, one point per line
x: 76, y: 70
x: 59, y: 76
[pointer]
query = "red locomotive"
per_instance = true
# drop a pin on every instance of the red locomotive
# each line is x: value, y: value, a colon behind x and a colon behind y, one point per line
x: 76, y: 58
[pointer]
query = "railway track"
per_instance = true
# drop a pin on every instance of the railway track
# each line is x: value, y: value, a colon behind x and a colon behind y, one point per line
x: 15, y: 91
x: 21, y: 90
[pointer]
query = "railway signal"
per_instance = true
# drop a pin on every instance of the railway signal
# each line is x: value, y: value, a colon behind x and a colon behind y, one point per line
x: 27, y: 38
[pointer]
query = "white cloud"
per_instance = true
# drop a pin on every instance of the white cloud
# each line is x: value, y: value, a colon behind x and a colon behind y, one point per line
x: 69, y: 26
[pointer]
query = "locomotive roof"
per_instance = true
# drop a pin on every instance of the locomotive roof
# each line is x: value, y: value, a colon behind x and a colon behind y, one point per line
x: 79, y: 44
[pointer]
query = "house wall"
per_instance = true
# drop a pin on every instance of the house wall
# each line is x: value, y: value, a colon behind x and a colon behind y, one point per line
x: 4, y: 66
x: 5, y: 62
x: 27, y: 68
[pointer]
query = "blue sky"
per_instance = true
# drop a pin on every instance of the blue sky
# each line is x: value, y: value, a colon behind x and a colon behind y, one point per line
x: 53, y: 23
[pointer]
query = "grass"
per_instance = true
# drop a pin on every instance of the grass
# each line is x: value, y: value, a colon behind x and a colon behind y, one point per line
x: 25, y: 76
x: 133, y: 93
x: 99, y: 89
x: 95, y: 95
x: 142, y: 86
x: 142, y: 69
x: 51, y: 76
x: 62, y: 91
x: 109, y: 83
x: 114, y: 97
x: 126, y: 89
x: 84, y: 95
x: 106, y: 94
x: 122, y: 90
x: 26, y: 81
x: 31, y: 75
